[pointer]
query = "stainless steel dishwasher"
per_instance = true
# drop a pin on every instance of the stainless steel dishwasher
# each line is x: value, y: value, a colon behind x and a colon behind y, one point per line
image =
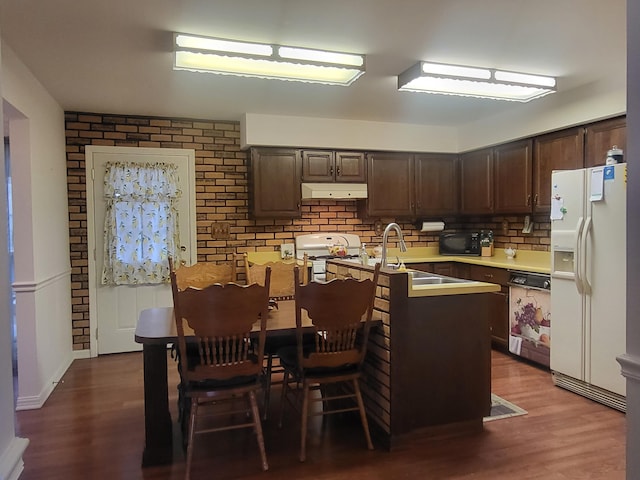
x: 530, y: 316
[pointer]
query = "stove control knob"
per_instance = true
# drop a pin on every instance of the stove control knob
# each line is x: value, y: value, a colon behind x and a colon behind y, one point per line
x: 547, y: 284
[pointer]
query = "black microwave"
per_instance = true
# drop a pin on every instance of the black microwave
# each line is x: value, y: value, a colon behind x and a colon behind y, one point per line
x: 463, y: 243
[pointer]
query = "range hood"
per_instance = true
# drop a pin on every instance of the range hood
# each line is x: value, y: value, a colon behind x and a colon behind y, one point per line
x: 336, y: 191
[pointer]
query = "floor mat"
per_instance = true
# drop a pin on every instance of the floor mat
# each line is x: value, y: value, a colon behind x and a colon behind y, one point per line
x: 500, y: 408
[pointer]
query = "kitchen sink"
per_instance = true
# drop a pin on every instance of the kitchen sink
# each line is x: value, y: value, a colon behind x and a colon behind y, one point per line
x: 426, y: 278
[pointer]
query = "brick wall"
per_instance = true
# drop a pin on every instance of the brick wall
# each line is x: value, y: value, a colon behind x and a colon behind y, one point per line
x: 222, y: 196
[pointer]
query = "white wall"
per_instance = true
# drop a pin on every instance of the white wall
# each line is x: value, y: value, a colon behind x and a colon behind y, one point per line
x: 41, y: 232
x: 590, y: 102
x: 284, y: 131
x: 11, y: 447
x: 553, y: 112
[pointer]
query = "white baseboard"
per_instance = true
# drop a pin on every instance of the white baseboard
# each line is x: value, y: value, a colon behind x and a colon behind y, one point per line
x: 11, y: 463
x: 34, y: 402
x: 81, y: 354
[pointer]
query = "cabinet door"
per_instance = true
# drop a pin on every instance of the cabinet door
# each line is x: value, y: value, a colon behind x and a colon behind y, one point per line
x: 436, y: 184
x: 499, y: 317
x: 390, y: 183
x: 602, y: 136
x: 423, y: 267
x: 350, y: 167
x: 480, y: 273
x: 447, y: 269
x: 562, y: 150
x: 512, y: 181
x: 439, y: 268
x: 318, y: 166
x: 276, y: 182
x: 476, y: 182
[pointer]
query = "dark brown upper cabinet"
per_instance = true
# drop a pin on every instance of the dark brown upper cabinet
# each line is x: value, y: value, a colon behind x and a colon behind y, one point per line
x: 602, y: 136
x: 437, y: 184
x: 563, y: 150
x: 512, y: 177
x: 476, y: 182
x: 496, y: 180
x: 390, y: 183
x: 333, y: 166
x: 275, y: 178
x: 407, y: 185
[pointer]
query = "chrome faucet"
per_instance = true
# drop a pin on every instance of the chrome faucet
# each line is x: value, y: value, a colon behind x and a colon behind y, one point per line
x: 385, y: 235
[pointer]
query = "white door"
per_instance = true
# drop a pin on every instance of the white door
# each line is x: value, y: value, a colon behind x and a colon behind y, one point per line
x: 114, y: 310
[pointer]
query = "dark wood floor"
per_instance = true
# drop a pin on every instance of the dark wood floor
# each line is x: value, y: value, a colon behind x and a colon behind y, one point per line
x: 92, y: 428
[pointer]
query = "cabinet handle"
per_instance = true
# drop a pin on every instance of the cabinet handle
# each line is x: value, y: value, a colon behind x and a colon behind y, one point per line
x: 338, y: 171
x: 529, y: 200
x: 535, y: 200
x: 488, y: 275
x: 331, y: 170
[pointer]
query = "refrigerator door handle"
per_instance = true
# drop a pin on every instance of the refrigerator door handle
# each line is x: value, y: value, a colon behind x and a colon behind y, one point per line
x: 586, y: 286
x: 577, y: 261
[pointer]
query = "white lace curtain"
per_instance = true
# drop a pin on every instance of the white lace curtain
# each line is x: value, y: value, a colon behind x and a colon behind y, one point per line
x: 141, y: 222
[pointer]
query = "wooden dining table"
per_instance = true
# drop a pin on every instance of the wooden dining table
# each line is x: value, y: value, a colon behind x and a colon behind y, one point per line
x: 156, y: 331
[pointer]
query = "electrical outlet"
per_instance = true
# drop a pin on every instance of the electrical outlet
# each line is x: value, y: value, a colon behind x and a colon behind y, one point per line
x: 220, y: 230
x: 287, y: 250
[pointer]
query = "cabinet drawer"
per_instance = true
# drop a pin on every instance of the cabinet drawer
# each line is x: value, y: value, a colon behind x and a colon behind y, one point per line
x: 480, y: 273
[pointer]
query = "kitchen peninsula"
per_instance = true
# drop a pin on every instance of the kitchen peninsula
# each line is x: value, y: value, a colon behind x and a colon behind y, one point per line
x: 428, y: 368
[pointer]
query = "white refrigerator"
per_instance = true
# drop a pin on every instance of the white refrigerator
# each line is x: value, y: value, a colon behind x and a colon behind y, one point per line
x: 588, y: 281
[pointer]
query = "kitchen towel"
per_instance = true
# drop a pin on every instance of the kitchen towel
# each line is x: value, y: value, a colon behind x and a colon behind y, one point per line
x: 432, y: 226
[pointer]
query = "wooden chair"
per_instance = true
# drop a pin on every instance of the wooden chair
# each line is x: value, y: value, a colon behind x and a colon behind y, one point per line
x: 203, y: 274
x: 341, y: 312
x: 198, y: 275
x: 281, y: 287
x: 229, y: 358
x: 282, y: 283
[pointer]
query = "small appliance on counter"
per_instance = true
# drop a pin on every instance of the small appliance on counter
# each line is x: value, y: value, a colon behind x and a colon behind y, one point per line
x: 461, y: 243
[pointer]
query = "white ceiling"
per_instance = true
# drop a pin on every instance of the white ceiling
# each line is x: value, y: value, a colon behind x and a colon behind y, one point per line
x: 114, y: 56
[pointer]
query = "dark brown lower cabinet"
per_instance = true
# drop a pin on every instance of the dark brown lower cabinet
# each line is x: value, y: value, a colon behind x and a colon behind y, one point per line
x: 499, y: 304
x: 439, y: 268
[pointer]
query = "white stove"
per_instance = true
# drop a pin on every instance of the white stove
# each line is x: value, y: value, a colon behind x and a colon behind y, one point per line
x: 318, y: 247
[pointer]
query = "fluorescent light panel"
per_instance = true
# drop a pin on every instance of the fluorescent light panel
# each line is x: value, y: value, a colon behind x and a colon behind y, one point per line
x: 474, y: 82
x: 230, y: 57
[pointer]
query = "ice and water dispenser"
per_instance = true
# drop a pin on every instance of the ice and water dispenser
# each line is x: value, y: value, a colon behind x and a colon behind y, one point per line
x: 563, y: 263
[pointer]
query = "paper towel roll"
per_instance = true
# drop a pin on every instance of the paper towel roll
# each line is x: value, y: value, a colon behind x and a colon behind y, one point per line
x: 432, y: 226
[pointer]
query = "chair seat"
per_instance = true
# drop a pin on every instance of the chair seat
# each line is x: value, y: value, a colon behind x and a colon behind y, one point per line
x: 275, y: 343
x: 289, y: 360
x: 198, y: 388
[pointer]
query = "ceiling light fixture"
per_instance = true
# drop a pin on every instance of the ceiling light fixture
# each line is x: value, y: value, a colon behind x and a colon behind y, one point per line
x: 474, y: 82
x: 230, y: 57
